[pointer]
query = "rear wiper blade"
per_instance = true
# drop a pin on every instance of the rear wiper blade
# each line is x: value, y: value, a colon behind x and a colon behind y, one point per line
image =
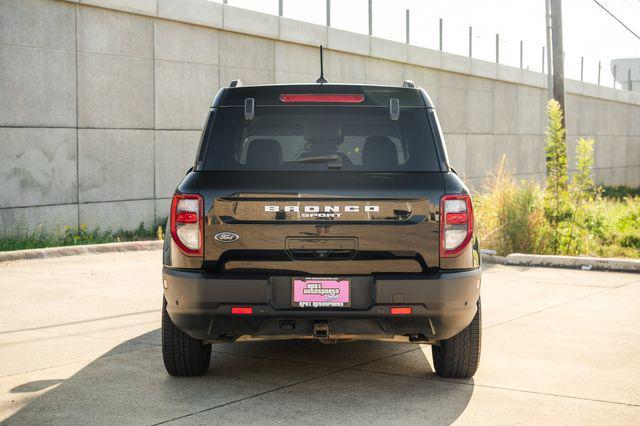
x: 335, y: 162
x: 317, y: 159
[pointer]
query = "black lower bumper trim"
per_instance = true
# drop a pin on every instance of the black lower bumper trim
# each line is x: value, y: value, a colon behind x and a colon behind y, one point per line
x: 442, y: 306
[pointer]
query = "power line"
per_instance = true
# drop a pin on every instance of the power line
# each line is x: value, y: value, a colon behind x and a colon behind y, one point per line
x: 616, y: 18
x: 633, y: 5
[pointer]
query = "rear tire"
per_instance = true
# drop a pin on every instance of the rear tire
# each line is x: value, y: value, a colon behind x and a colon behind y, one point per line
x: 182, y: 354
x: 459, y: 356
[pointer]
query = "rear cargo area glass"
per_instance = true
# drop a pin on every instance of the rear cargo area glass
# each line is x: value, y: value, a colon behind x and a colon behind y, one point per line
x: 321, y: 138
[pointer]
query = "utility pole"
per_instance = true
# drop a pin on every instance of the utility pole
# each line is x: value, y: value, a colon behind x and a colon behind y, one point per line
x: 548, y: 32
x: 328, y: 13
x: 370, y: 17
x: 407, y: 25
x: 521, y: 54
x: 558, y: 54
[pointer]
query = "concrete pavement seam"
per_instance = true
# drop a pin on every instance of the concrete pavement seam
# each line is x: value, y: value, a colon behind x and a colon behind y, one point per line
x: 353, y: 367
x: 356, y: 368
x: 455, y: 383
x: 64, y: 324
x: 82, y: 360
x: 53, y: 335
x: 560, y: 304
x: 247, y: 397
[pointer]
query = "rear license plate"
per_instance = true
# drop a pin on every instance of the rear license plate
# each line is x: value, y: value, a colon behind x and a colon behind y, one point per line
x: 321, y: 293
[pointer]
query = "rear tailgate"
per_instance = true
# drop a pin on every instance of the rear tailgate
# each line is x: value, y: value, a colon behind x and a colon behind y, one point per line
x: 346, y: 223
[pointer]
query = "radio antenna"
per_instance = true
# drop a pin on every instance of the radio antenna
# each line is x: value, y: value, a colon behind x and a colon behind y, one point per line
x: 321, y: 80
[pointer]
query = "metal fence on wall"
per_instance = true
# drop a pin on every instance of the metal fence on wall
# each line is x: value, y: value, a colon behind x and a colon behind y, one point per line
x: 465, y: 40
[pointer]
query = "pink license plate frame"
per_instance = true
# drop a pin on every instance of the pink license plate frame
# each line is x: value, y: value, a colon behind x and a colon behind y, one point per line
x: 313, y: 292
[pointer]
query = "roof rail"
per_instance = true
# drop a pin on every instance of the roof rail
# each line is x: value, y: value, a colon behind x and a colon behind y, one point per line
x: 235, y: 83
x: 409, y: 83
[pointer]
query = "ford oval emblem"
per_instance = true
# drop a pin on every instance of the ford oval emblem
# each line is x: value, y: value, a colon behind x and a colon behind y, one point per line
x: 226, y: 237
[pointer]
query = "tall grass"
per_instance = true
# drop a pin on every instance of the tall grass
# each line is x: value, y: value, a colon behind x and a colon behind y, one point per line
x: 511, y: 218
x: 510, y: 215
x: 71, y: 236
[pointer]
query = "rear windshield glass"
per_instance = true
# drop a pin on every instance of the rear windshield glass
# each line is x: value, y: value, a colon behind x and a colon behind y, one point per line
x: 334, y: 138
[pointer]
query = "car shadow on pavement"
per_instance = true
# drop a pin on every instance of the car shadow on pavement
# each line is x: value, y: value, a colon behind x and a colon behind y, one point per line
x: 280, y: 381
x: 35, y: 386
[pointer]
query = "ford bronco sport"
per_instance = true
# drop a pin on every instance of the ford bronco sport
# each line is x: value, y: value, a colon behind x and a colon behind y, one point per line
x: 321, y: 211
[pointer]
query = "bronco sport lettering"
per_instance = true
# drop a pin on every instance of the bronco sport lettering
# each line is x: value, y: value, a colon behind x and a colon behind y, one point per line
x: 318, y: 211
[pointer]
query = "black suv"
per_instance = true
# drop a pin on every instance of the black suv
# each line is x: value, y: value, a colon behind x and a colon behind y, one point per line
x: 321, y: 211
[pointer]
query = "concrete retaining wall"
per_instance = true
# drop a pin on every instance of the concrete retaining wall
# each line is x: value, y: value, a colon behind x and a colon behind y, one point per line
x: 102, y: 102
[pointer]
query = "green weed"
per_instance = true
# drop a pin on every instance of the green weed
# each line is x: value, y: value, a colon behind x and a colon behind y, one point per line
x: 71, y: 236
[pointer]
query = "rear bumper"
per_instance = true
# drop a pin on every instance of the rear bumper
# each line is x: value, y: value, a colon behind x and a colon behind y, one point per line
x: 442, y: 305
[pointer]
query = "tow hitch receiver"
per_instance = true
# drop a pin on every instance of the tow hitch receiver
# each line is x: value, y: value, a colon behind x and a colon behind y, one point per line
x: 321, y: 330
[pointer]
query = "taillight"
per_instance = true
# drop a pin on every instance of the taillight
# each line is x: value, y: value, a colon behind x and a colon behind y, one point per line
x: 187, y: 223
x: 241, y: 310
x: 329, y: 98
x: 456, y: 224
x: 401, y: 310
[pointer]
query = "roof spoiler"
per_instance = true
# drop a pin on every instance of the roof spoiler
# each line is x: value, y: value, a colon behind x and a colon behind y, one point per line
x: 409, y: 84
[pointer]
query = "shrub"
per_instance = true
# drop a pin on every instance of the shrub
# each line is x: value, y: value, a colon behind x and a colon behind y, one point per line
x: 582, y: 186
x: 510, y: 216
x: 557, y: 203
x: 581, y: 190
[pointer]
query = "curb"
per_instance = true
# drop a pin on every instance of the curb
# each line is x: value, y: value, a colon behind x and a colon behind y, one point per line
x: 573, y: 262
x: 45, y: 253
x: 492, y: 258
x: 514, y: 259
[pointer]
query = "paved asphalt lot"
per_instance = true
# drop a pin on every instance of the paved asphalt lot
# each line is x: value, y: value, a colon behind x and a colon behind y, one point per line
x: 79, y: 343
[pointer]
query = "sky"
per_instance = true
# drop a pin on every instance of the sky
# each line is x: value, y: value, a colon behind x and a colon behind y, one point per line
x: 589, y: 31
